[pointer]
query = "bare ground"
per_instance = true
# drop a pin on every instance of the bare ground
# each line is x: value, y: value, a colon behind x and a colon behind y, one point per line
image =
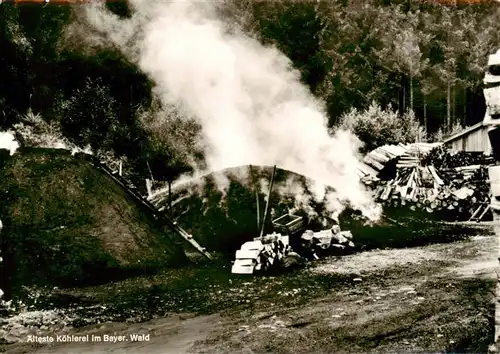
x: 437, y: 298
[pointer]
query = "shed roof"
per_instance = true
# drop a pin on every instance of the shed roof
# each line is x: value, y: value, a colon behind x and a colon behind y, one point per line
x: 464, y: 132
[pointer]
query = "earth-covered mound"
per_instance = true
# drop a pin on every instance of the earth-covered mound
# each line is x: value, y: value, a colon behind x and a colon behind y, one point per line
x: 66, y: 223
x: 220, y: 209
x: 223, y: 220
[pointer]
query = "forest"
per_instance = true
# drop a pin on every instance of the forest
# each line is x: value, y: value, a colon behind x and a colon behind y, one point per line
x: 412, y: 64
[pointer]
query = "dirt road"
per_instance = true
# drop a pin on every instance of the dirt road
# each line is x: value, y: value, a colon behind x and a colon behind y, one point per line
x: 437, y: 298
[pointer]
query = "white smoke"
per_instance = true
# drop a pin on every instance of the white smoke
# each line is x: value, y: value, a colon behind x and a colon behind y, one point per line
x: 8, y: 142
x: 250, y: 103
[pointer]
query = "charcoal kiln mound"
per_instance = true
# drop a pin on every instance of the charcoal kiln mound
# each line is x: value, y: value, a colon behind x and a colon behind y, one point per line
x: 67, y: 223
x: 223, y: 220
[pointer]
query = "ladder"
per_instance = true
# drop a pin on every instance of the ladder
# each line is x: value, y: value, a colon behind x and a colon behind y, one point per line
x: 161, y: 217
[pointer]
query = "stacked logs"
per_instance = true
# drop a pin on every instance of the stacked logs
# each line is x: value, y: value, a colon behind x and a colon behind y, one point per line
x: 408, y: 154
x: 261, y: 254
x: 440, y: 157
x: 274, y: 250
x: 453, y: 194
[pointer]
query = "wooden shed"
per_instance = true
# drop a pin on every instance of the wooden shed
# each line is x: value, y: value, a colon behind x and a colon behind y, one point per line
x: 473, y: 138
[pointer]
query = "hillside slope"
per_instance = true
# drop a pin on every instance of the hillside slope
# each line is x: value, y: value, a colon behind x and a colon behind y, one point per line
x: 68, y: 223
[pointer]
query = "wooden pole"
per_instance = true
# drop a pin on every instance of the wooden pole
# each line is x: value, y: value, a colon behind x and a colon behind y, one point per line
x: 150, y: 172
x: 411, y: 86
x: 448, y: 107
x: 267, y: 202
x: 170, y: 197
x: 425, y: 116
x: 149, y: 187
x: 256, y: 197
x: 258, y: 208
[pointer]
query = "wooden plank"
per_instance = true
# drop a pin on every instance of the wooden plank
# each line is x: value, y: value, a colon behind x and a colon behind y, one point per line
x: 247, y: 254
x: 238, y: 268
x: 435, y: 176
x: 468, y: 168
x: 380, y: 158
x: 371, y: 162
x: 475, y: 212
x: 484, y: 213
x: 410, y: 180
x: 149, y: 187
x: 386, y: 192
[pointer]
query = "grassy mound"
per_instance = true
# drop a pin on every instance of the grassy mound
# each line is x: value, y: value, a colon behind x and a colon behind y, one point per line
x: 67, y: 223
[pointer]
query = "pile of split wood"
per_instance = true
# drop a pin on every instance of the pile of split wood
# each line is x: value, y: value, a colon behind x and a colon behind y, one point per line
x: 322, y: 243
x: 454, y: 194
x: 274, y: 250
x: 440, y: 157
x: 261, y: 254
x: 404, y: 155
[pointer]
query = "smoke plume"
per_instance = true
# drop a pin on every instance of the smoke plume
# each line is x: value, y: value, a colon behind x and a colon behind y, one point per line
x: 8, y: 142
x: 249, y: 101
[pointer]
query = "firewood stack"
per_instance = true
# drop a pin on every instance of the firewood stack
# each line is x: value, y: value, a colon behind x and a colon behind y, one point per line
x: 325, y: 242
x: 270, y: 251
x: 261, y: 254
x: 453, y: 194
x: 405, y: 155
x: 475, y: 179
x: 440, y: 158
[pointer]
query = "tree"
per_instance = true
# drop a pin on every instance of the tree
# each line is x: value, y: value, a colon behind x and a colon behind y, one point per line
x: 30, y: 47
x: 376, y: 127
x: 401, y: 52
x: 171, y: 146
x: 296, y: 29
x: 355, y: 78
x: 89, y: 116
x: 15, y: 53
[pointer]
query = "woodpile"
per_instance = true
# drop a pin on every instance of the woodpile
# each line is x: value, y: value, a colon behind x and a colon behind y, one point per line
x: 431, y: 181
x: 274, y: 250
x: 440, y: 157
x: 405, y: 155
x: 453, y: 194
x: 314, y: 245
x: 261, y: 254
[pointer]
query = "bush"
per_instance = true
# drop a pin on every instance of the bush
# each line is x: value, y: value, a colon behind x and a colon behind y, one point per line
x: 443, y: 132
x: 33, y: 131
x: 172, y: 141
x: 89, y: 117
x: 376, y: 127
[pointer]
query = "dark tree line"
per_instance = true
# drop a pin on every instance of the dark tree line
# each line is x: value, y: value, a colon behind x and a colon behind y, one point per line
x: 408, y: 55
x: 411, y: 54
